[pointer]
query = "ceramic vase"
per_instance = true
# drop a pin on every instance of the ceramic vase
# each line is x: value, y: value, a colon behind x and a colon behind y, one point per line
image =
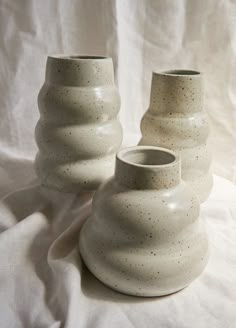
x: 144, y: 236
x: 78, y: 132
x: 176, y: 120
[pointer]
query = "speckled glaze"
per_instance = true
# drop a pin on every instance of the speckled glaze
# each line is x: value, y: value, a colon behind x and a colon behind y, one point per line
x: 78, y: 132
x: 144, y: 236
x: 176, y: 120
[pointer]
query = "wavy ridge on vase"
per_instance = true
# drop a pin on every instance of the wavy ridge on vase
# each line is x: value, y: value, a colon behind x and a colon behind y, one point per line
x: 176, y: 120
x: 145, y: 236
x: 78, y: 132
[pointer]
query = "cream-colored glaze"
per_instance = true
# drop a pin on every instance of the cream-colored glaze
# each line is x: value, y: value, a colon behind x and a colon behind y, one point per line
x: 78, y: 132
x: 145, y: 236
x: 176, y: 120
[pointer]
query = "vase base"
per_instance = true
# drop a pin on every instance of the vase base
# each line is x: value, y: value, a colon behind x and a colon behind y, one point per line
x: 201, y: 186
x: 144, y: 281
x: 74, y: 177
x: 133, y: 293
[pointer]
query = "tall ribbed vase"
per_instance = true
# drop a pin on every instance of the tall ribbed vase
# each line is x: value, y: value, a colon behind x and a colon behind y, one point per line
x: 176, y: 120
x: 78, y: 132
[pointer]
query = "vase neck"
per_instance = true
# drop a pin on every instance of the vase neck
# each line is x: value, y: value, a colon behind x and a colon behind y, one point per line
x: 82, y: 71
x: 176, y: 92
x: 145, y: 167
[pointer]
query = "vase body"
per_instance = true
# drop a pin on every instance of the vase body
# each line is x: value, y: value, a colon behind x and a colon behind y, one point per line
x: 78, y: 132
x: 176, y: 120
x: 144, y: 236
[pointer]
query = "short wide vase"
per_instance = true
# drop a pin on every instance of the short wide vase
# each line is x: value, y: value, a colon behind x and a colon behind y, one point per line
x: 144, y: 236
x: 78, y: 132
x: 176, y: 120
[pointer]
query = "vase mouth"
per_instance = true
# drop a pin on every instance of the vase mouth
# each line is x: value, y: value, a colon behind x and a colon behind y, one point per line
x: 147, y: 167
x: 79, y: 70
x: 147, y: 157
x: 180, y: 72
x: 78, y: 57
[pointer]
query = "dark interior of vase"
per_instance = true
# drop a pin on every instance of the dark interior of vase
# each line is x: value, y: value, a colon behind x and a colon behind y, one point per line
x: 83, y: 57
x: 148, y: 157
x: 181, y: 72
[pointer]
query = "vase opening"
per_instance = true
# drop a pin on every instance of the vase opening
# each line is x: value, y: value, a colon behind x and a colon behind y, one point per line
x: 80, y: 70
x: 147, y: 157
x: 181, y: 72
x: 147, y: 167
x: 78, y: 57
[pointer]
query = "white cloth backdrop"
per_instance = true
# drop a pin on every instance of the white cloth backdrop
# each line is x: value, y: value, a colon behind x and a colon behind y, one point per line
x: 42, y: 280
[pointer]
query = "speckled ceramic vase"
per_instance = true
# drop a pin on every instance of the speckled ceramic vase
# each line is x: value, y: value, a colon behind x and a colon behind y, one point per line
x: 144, y: 236
x: 78, y: 132
x: 176, y: 120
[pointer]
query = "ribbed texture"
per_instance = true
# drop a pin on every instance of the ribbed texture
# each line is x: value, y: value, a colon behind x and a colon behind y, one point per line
x: 78, y: 132
x: 144, y: 242
x: 176, y: 120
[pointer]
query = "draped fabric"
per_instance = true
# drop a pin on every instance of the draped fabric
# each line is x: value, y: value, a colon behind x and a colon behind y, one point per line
x: 43, y: 282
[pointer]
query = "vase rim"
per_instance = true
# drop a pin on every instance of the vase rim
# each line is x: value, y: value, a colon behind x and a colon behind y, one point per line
x: 145, y: 149
x: 76, y: 57
x: 180, y: 73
